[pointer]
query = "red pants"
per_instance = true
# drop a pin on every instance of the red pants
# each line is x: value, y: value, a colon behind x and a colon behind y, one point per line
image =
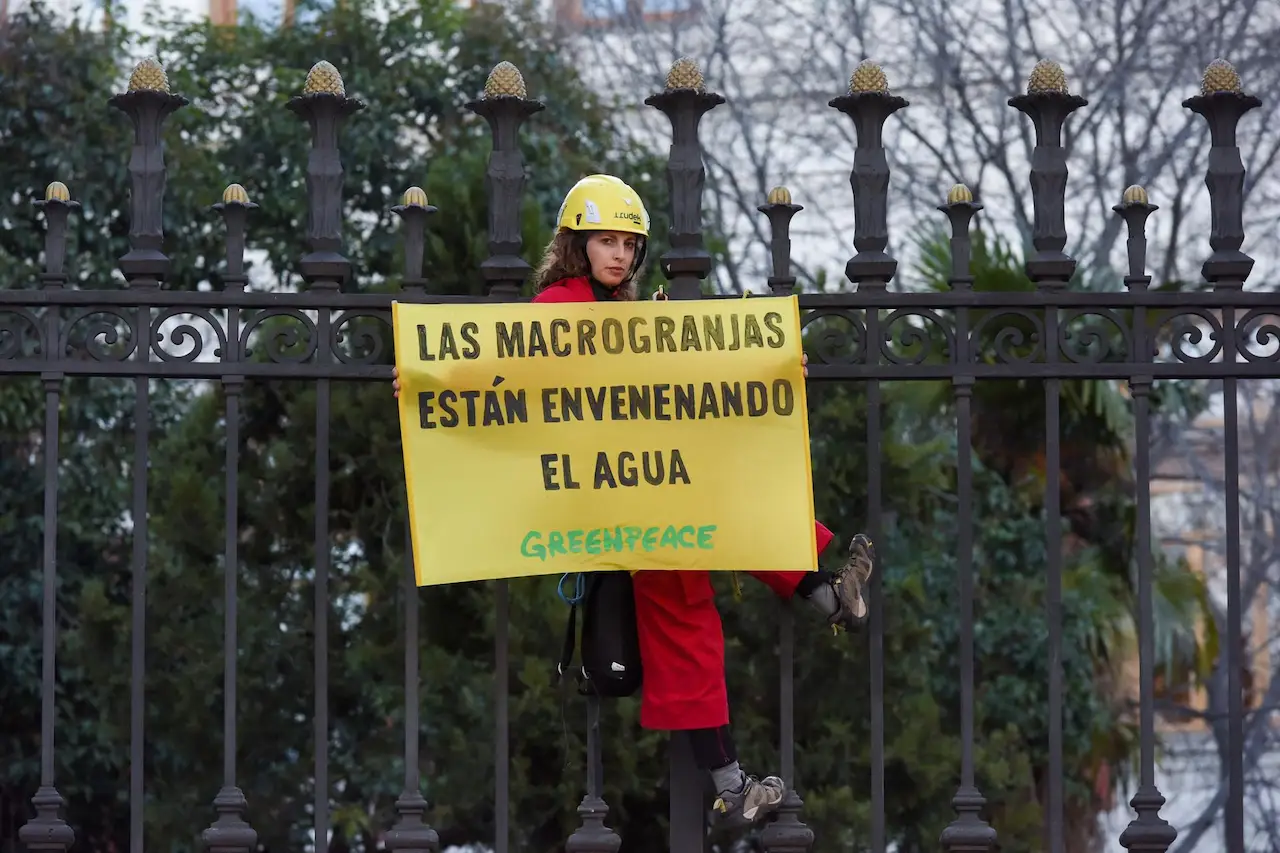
x: 682, y: 645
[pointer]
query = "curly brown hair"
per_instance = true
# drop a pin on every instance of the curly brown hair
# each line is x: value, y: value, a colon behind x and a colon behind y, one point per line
x: 566, y: 257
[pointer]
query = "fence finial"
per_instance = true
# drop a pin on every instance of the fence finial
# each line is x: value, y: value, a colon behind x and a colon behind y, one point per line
x: 780, y: 210
x: 505, y: 105
x: 869, y: 102
x: 960, y: 210
x: 413, y: 210
x: 324, y: 105
x: 57, y: 206
x: 1223, y: 102
x: 148, y: 102
x: 1047, y: 103
x: 684, y: 101
x: 234, y: 208
x: 1134, y: 208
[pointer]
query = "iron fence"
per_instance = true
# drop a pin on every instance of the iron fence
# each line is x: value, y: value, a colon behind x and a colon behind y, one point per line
x: 872, y: 334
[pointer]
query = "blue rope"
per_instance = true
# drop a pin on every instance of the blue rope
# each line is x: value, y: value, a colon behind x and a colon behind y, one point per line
x: 579, y: 588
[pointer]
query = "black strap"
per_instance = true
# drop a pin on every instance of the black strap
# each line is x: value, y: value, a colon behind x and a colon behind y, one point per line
x: 570, y: 640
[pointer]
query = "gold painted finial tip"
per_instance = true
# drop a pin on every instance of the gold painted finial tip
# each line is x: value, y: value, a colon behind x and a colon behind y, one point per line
x: 868, y: 77
x: 779, y: 195
x: 505, y: 81
x: 1047, y: 77
x: 1220, y: 76
x: 685, y: 74
x: 959, y: 194
x: 414, y: 197
x: 149, y: 76
x: 324, y: 79
x: 235, y: 194
x: 57, y: 191
x: 1134, y: 195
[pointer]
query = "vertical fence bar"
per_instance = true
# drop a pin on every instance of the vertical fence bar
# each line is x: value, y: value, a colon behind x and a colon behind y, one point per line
x: 787, y: 833
x: 1148, y: 832
x: 324, y: 105
x: 592, y: 836
x: 1047, y: 103
x: 684, y: 100
x: 47, y: 831
x: 147, y: 103
x: 869, y: 103
x: 1223, y: 102
x: 968, y: 832
x: 412, y: 833
x: 505, y: 105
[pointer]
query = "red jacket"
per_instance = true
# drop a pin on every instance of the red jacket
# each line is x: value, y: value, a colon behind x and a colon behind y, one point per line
x: 681, y: 638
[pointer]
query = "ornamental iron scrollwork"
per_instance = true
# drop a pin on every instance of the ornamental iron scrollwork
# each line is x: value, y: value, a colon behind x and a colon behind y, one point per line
x: 186, y: 334
x: 1007, y: 336
x: 282, y: 339
x: 1094, y: 335
x: 929, y: 340
x: 358, y: 343
x: 21, y: 334
x: 1176, y: 328
x: 102, y: 337
x: 832, y: 344
x: 1265, y: 334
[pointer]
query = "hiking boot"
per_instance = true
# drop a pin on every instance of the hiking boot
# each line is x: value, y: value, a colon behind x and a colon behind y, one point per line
x: 849, y: 584
x: 757, y: 799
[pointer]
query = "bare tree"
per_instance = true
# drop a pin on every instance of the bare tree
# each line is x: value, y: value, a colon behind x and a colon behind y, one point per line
x: 1190, y: 456
x: 778, y: 62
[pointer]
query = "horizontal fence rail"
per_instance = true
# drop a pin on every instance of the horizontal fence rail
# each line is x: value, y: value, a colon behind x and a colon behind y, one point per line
x: 330, y: 331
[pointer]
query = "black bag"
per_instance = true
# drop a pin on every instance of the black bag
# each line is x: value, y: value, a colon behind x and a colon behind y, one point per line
x: 610, y: 646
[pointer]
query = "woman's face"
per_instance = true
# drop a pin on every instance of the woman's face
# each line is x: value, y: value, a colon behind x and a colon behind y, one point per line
x: 610, y: 254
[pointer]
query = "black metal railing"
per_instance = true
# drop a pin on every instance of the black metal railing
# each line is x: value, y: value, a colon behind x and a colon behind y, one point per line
x: 331, y: 330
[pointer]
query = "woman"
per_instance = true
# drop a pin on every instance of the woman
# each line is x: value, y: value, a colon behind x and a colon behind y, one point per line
x: 596, y: 255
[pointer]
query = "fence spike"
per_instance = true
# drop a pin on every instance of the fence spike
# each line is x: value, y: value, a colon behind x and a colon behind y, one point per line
x: 324, y: 105
x: 960, y: 210
x: 1048, y: 103
x: 505, y: 105
x: 684, y: 100
x: 869, y: 102
x: 235, y: 207
x: 1223, y: 102
x: 57, y: 206
x: 148, y: 102
x: 1134, y: 208
x: 413, y: 210
x: 780, y: 210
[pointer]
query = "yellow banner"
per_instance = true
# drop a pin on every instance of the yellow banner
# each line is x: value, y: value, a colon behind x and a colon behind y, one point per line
x: 549, y: 438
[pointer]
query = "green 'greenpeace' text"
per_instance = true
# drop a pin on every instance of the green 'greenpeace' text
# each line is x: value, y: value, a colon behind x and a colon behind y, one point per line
x: 540, y: 545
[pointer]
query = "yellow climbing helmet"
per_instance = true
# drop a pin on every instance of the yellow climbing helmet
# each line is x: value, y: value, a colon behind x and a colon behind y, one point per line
x: 603, y: 203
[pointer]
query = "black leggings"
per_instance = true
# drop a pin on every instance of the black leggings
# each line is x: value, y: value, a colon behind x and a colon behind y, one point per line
x: 713, y: 748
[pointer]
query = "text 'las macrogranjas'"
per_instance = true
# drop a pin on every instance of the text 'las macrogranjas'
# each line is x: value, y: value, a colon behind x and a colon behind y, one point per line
x: 557, y: 337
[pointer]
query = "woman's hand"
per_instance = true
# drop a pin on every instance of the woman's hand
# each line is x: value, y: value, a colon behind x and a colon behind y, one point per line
x: 804, y: 365
x: 395, y: 382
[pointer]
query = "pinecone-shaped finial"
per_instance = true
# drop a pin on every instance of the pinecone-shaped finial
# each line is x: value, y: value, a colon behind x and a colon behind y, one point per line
x: 779, y: 195
x: 1135, y: 195
x: 1047, y: 76
x: 235, y: 194
x: 868, y: 77
x: 414, y: 197
x: 149, y: 76
x: 685, y: 74
x: 505, y: 81
x: 959, y: 194
x: 57, y: 191
x: 324, y: 79
x: 1220, y: 76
